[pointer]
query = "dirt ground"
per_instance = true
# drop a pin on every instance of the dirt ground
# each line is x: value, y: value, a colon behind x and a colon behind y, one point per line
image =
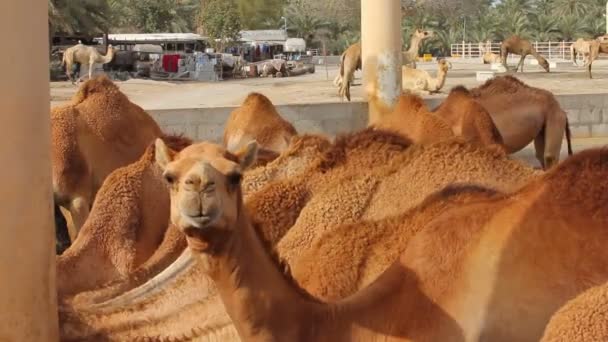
x: 319, y: 88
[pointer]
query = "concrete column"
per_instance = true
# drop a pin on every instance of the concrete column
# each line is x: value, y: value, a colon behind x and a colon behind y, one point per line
x: 606, y: 17
x: 28, y: 309
x: 381, y: 54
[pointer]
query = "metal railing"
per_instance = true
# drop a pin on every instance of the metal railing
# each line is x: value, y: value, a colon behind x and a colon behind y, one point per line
x: 550, y: 50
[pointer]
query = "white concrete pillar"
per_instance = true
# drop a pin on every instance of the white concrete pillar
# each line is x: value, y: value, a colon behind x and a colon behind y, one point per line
x: 381, y: 54
x: 606, y: 17
x: 28, y: 309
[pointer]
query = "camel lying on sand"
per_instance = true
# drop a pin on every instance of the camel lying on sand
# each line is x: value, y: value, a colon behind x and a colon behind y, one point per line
x: 258, y: 119
x: 98, y: 132
x: 126, y: 225
x: 350, y: 61
x: 522, y: 47
x: 584, y: 318
x: 524, y: 114
x: 84, y: 55
x: 420, y: 82
x: 566, y: 208
x: 357, y: 179
x: 491, y: 58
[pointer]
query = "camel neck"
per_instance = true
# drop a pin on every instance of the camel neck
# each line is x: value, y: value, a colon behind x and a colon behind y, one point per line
x: 441, y: 76
x: 415, y: 45
x: 261, y: 301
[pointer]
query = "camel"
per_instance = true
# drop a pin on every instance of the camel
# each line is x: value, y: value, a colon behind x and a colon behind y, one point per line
x: 522, y: 47
x: 582, y: 47
x: 422, y: 295
x: 132, y: 222
x: 410, y: 56
x: 344, y: 169
x: 85, y: 55
x: 258, y: 119
x: 420, y: 82
x: 127, y: 223
x: 98, y: 132
x: 350, y: 61
x: 595, y: 48
x: 491, y: 58
x: 584, y: 318
x: 524, y: 114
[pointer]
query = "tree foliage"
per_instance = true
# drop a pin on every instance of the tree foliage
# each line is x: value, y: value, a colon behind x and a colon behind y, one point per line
x: 220, y: 21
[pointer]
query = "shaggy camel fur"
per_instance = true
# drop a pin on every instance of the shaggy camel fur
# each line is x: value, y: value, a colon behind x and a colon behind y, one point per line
x: 344, y: 169
x: 127, y: 223
x: 258, y: 119
x: 468, y: 118
x: 98, y: 132
x: 420, y: 82
x: 422, y: 296
x: 412, y: 118
x: 292, y: 162
x: 582, y: 319
x: 524, y: 114
x: 522, y: 47
x: 84, y: 55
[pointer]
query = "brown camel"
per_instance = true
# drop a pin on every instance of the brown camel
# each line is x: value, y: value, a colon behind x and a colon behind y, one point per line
x: 126, y: 225
x: 85, y: 55
x: 522, y: 47
x: 582, y: 319
x: 258, y: 119
x: 458, y: 115
x: 398, y: 166
x: 98, y: 132
x: 130, y: 221
x: 489, y: 269
x: 524, y: 114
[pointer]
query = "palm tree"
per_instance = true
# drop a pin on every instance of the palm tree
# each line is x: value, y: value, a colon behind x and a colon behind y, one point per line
x: 303, y: 23
x: 88, y: 16
x: 544, y: 28
x: 571, y: 7
x: 572, y: 28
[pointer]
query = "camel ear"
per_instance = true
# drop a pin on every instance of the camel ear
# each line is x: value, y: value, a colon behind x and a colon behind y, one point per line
x: 248, y: 155
x: 162, y: 153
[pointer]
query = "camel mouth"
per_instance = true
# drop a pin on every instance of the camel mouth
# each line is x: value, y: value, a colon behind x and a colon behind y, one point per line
x: 197, y: 222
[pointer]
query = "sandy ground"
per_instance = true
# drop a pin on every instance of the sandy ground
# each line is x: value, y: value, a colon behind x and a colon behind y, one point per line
x: 319, y: 88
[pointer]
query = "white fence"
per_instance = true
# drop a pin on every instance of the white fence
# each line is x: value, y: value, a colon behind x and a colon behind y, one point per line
x: 550, y: 50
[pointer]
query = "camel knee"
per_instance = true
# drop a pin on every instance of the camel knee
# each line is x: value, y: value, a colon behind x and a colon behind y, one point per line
x: 550, y: 161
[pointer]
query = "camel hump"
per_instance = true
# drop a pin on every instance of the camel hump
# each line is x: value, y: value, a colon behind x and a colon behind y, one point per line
x: 257, y: 99
x: 409, y: 102
x: 460, y: 89
x: 99, y: 84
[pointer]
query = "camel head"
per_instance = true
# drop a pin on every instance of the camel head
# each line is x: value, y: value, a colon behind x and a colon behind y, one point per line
x: 205, y: 188
x: 423, y: 34
x: 444, y: 64
x: 543, y: 63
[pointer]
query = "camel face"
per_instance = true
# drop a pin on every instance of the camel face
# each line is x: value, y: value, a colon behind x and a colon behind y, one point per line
x: 544, y: 64
x: 204, y: 182
x: 424, y: 34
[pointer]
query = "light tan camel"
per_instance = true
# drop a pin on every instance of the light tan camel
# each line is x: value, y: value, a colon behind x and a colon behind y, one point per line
x: 258, y: 119
x: 85, y: 55
x: 420, y: 82
x: 582, y: 319
x: 595, y: 48
x: 126, y: 225
x: 522, y: 47
x: 468, y: 291
x: 524, y: 114
x: 582, y: 47
x: 350, y: 61
x: 98, y: 132
x: 341, y: 189
x: 410, y: 56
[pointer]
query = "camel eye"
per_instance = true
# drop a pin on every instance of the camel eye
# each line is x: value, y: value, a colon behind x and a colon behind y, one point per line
x: 169, y: 177
x: 234, y: 178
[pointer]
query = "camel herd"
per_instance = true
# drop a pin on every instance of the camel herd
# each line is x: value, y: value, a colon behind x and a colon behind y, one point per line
x: 420, y: 227
x: 418, y: 81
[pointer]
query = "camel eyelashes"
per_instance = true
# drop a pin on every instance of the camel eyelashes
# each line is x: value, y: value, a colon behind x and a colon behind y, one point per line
x: 234, y: 178
x: 169, y: 177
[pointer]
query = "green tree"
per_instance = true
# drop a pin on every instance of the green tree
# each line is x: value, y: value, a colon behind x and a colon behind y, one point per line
x: 571, y: 28
x: 221, y: 22
x: 90, y: 17
x: 258, y: 14
x: 544, y: 28
x: 163, y: 15
x: 571, y: 7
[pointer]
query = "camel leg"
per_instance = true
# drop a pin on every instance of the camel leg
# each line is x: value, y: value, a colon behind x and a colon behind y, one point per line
x: 68, y: 71
x: 522, y: 59
x: 589, y: 70
x: 79, y: 210
x: 555, y: 130
x: 539, y: 147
